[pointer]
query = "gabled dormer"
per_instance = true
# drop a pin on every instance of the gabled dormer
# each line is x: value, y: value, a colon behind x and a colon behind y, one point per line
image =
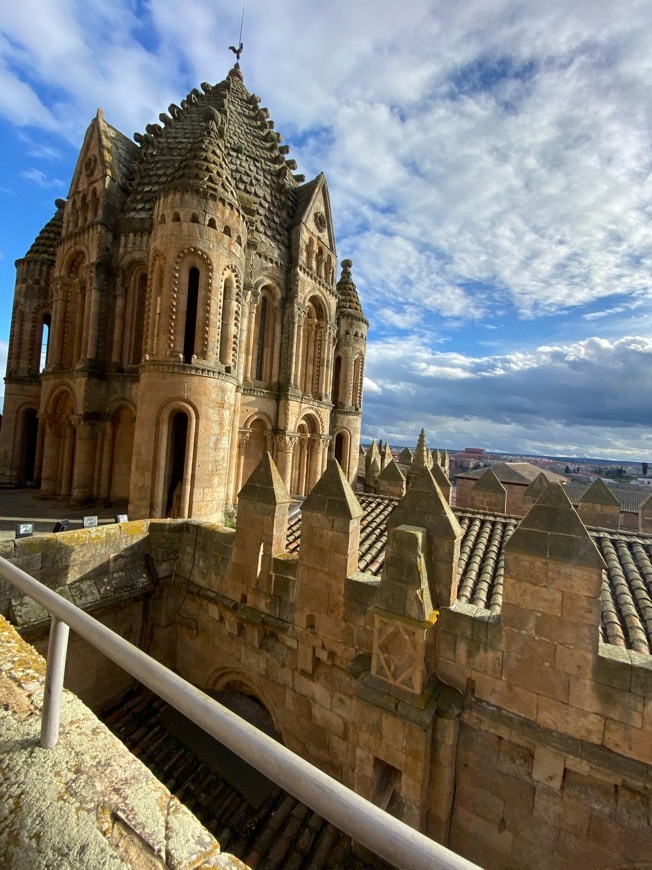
x: 101, y: 175
x: 313, y: 237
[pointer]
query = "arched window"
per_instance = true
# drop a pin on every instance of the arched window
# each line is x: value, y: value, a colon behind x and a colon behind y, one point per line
x: 191, y: 315
x: 138, y: 319
x: 337, y: 375
x: 226, y: 325
x: 260, y: 348
x: 356, y: 393
x: 313, y: 348
x: 264, y: 338
x: 341, y: 451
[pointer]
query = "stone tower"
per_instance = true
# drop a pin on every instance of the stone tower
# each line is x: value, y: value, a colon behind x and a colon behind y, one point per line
x: 186, y: 290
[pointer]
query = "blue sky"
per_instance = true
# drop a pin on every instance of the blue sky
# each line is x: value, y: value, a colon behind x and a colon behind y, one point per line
x: 489, y: 166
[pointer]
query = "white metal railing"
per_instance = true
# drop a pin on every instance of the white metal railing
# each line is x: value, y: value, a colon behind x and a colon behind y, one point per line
x: 386, y: 836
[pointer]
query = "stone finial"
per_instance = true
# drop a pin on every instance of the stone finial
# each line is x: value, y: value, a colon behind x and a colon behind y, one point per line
x: 598, y: 506
x: 265, y: 484
x: 535, y: 490
x: 332, y: 495
x: 404, y: 588
x: 598, y: 493
x: 261, y: 528
x: 404, y: 613
x: 422, y: 457
x: 347, y: 291
x: 330, y: 538
x: 442, y: 481
x: 386, y: 456
x: 391, y: 481
x: 645, y: 515
x: 488, y: 493
x: 425, y: 506
x: 553, y: 529
x: 372, y: 457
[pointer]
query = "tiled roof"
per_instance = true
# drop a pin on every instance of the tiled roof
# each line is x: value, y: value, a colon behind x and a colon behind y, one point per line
x: 630, y: 500
x: 627, y: 584
x: 252, y: 818
x: 250, y: 148
x: 44, y: 246
x: 348, y: 294
x: 515, y: 472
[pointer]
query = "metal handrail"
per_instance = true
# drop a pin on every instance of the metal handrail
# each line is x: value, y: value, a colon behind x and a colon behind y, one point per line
x: 386, y: 836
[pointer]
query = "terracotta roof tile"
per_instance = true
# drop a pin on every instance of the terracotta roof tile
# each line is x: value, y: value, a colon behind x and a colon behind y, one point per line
x: 627, y: 583
x: 515, y: 472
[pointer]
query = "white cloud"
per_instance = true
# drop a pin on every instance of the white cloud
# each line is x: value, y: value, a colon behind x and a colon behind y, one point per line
x: 39, y: 177
x: 488, y: 164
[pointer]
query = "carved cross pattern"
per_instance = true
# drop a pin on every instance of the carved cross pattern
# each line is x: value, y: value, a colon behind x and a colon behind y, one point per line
x: 396, y: 653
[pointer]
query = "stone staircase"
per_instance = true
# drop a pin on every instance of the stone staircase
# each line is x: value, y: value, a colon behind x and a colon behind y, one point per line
x: 273, y: 831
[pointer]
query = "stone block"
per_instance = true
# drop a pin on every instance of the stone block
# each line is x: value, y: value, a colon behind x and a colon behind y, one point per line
x: 570, y: 720
x: 549, y: 804
x: 577, y: 662
x: 329, y: 721
x: 590, y: 792
x: 548, y: 768
x: 563, y: 631
x: 613, y: 666
x: 607, y: 701
x: 515, y: 759
x: 453, y: 674
x: 633, y: 808
x: 581, y: 608
x: 540, y: 679
x: 518, y: 618
x: 641, y: 674
x: 629, y: 741
x: 476, y: 656
x: 468, y: 829
x: 523, y: 645
x: 529, y: 596
x: 511, y: 697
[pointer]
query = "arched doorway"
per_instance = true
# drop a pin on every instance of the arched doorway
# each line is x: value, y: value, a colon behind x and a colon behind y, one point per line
x: 28, y: 450
x: 255, y: 446
x: 176, y: 463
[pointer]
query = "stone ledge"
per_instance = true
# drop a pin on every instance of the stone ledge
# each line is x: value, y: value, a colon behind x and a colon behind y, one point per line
x: 87, y: 802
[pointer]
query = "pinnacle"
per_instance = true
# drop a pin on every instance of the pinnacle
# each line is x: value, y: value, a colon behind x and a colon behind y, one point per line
x: 332, y: 495
x: 265, y: 483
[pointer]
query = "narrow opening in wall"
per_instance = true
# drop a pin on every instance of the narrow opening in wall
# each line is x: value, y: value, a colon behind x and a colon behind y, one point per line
x: 191, y: 315
x: 310, y: 622
x: 387, y: 787
x: 176, y: 463
x: 45, y: 342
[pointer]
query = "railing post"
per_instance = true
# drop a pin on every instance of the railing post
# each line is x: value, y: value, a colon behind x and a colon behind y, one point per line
x: 56, y: 668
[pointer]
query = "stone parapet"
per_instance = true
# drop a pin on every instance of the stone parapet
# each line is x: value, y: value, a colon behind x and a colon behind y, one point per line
x: 88, y: 801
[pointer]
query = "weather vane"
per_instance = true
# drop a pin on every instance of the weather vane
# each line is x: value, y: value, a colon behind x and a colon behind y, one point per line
x: 238, y: 51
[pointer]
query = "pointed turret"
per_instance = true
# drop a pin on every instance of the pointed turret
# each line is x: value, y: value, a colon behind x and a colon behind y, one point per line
x: 598, y: 506
x: 391, y: 481
x: 425, y: 506
x: 422, y: 457
x: 488, y: 494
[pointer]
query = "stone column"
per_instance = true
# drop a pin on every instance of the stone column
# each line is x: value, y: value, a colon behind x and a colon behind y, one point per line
x: 107, y: 461
x: 119, y: 328
x: 83, y: 473
x: 284, y: 450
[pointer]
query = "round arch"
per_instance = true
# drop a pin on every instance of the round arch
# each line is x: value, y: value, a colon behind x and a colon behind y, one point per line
x: 177, y: 428
x: 306, y: 455
x: 227, y: 679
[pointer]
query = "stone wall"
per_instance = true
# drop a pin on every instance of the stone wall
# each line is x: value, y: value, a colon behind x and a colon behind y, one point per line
x: 555, y: 751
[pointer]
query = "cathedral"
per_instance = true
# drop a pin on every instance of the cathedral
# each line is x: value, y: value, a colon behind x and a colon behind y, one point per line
x: 179, y: 316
